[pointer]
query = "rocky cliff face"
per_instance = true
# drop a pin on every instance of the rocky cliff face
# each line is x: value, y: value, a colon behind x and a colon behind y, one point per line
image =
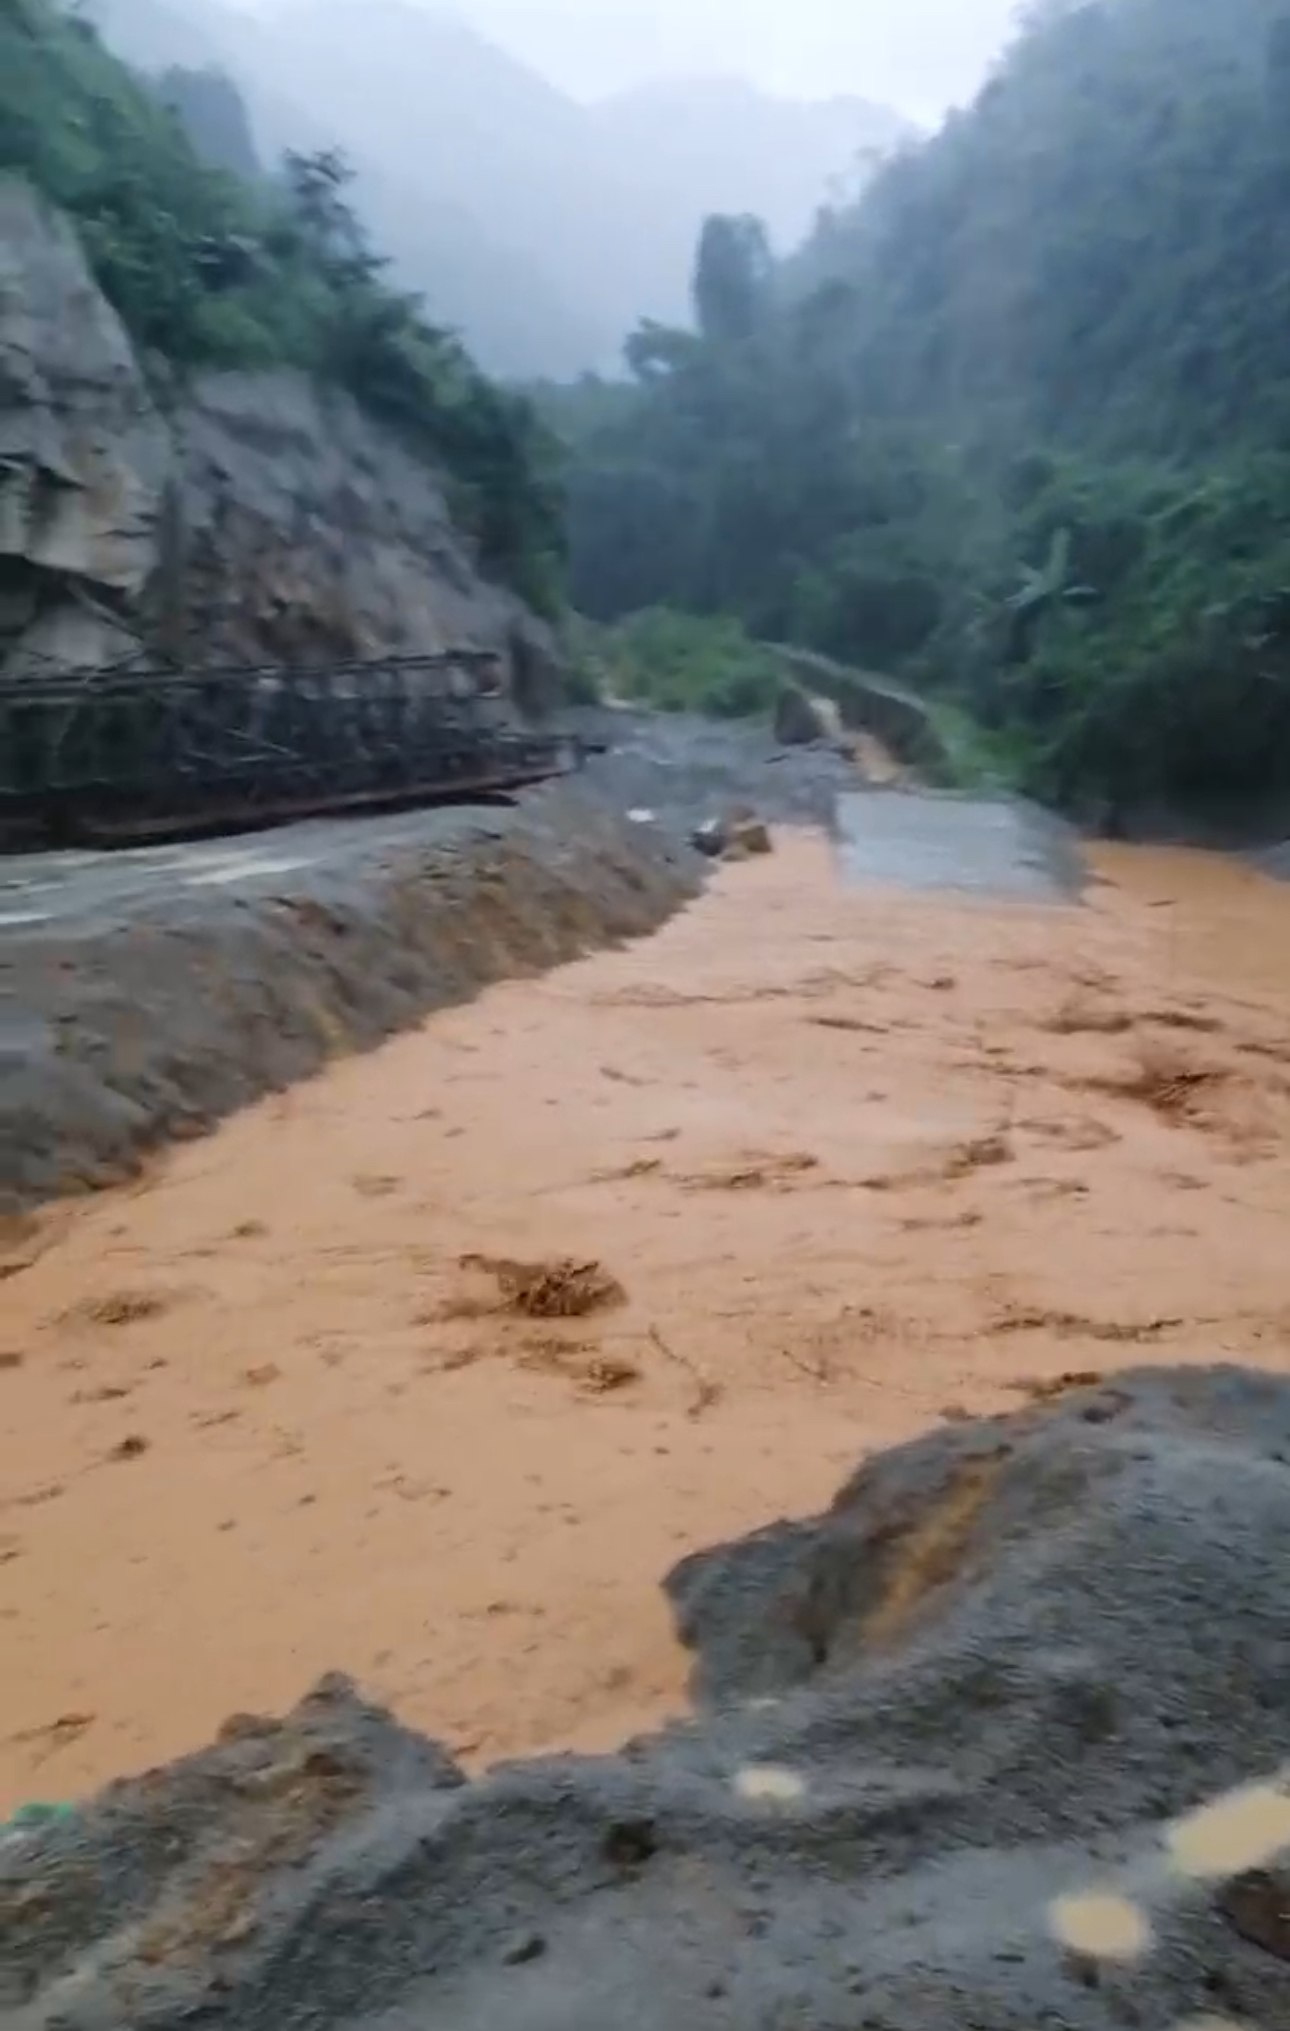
x: 256, y: 519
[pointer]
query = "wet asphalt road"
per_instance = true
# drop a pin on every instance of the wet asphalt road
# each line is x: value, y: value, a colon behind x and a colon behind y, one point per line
x: 40, y: 890
x: 680, y: 771
x: 983, y: 848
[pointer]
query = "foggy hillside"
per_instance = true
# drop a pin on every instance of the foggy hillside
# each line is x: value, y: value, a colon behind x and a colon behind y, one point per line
x: 210, y: 270
x: 541, y: 227
x: 1015, y: 426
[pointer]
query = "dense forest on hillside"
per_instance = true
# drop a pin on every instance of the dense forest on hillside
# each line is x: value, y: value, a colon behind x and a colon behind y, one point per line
x: 1015, y: 426
x: 211, y: 270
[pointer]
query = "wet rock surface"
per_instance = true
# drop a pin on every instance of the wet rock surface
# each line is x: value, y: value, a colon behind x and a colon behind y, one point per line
x: 690, y: 771
x: 981, y: 1691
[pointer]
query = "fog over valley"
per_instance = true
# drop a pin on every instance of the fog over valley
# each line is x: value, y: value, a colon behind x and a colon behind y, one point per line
x: 540, y: 172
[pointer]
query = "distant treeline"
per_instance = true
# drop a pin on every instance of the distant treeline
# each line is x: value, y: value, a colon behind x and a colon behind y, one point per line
x: 1015, y: 426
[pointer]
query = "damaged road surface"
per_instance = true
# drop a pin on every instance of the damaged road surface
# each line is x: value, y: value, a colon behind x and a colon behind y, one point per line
x: 977, y: 846
x: 465, y: 1382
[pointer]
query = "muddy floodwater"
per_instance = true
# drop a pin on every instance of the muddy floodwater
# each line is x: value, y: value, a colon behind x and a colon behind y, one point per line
x: 428, y: 1370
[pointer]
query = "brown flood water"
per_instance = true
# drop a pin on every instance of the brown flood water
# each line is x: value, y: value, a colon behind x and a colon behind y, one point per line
x: 859, y: 1161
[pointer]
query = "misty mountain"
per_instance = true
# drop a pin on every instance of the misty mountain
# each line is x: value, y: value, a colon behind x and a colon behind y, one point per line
x: 745, y: 151
x: 542, y: 228
x: 1013, y: 427
x: 214, y: 116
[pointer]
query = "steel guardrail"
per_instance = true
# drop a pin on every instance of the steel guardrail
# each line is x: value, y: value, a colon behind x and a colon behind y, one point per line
x: 143, y: 750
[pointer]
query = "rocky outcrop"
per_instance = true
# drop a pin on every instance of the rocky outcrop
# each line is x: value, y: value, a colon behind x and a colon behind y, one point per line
x: 84, y: 456
x: 954, y: 1738
x: 301, y: 530
x: 256, y: 519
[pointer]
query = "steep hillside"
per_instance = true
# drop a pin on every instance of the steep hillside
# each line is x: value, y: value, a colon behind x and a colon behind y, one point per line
x: 1103, y: 244
x: 1015, y: 425
x: 540, y: 227
x: 214, y: 117
x: 212, y: 275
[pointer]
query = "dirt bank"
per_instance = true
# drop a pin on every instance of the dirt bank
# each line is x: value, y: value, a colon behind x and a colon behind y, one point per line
x: 144, y: 1024
x: 859, y: 1161
x: 149, y: 994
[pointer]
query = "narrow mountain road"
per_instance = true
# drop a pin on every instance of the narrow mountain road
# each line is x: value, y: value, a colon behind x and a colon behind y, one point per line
x: 428, y: 1370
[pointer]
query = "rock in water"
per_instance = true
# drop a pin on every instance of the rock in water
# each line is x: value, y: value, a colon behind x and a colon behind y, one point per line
x: 709, y: 839
x: 748, y: 838
x: 739, y: 835
x: 952, y: 1739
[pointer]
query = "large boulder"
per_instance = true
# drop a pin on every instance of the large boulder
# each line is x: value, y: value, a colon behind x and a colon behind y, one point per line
x: 952, y: 1739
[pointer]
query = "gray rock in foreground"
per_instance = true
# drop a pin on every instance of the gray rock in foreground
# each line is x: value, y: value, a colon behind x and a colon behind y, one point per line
x: 991, y: 1675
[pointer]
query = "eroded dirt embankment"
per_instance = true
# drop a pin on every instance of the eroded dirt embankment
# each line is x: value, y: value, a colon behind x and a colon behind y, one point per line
x: 146, y: 995
x: 145, y: 1019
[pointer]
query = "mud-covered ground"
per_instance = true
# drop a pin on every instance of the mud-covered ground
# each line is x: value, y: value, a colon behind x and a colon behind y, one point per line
x: 448, y: 1369
x: 427, y: 1369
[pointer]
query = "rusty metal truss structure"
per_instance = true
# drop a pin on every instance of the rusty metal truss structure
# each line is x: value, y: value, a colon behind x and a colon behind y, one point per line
x: 143, y: 751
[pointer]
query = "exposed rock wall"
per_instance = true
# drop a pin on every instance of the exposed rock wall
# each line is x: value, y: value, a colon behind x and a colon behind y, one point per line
x: 302, y: 529
x: 84, y: 455
x: 258, y: 518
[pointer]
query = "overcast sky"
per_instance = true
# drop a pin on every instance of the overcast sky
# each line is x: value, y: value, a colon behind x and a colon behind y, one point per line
x: 920, y: 55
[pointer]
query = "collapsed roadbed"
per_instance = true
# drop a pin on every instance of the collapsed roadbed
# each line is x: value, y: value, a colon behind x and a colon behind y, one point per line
x: 951, y: 1743
x: 149, y: 994
x: 228, y: 978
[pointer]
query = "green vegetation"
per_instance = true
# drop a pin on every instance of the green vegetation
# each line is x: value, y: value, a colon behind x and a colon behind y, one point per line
x: 208, y: 270
x: 679, y: 662
x: 1014, y: 428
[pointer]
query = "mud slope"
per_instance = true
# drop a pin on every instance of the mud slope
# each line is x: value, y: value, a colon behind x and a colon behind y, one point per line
x: 951, y: 1728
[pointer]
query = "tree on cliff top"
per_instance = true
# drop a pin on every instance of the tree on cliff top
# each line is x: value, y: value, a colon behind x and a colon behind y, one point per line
x: 208, y: 270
